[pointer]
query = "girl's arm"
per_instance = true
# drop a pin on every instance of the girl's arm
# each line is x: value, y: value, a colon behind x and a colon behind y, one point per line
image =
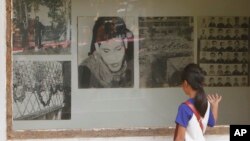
x: 214, y: 100
x: 179, y: 133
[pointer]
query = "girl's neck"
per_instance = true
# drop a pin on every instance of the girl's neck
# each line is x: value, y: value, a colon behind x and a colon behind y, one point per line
x: 192, y: 94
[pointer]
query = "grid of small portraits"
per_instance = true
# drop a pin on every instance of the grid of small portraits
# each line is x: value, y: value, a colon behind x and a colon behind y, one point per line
x: 223, y: 50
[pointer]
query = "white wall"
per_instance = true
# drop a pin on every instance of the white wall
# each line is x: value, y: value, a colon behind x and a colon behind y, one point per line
x: 2, y: 72
x: 147, y: 107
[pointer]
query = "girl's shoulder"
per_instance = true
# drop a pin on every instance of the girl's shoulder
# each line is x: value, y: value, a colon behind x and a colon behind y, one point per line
x: 184, y: 115
x: 185, y: 109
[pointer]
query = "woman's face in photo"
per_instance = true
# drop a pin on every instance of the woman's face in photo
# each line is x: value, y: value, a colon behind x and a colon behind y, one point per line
x: 112, y: 52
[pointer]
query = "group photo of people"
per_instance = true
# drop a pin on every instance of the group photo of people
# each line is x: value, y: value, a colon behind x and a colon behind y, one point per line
x: 223, y: 50
x: 40, y: 90
x: 223, y: 57
x: 224, y: 45
x: 228, y: 81
x: 225, y: 69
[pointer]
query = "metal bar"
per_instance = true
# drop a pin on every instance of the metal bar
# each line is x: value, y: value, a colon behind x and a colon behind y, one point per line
x: 39, y: 113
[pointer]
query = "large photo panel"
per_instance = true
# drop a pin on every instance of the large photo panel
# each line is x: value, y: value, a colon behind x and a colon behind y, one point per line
x: 223, y: 50
x: 166, y: 46
x: 105, y: 52
x: 41, y: 90
x: 41, y: 27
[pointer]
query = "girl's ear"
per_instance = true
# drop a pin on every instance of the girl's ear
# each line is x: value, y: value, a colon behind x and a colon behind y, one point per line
x: 185, y: 83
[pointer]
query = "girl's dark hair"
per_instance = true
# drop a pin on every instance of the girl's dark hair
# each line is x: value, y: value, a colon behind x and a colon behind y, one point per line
x: 106, y: 28
x: 194, y: 75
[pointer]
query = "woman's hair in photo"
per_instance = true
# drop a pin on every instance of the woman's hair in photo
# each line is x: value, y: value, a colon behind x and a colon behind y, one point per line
x: 194, y: 75
x: 106, y: 28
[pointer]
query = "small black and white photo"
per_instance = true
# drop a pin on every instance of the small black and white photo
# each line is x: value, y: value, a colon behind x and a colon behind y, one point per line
x: 41, y: 27
x: 41, y: 90
x: 165, y: 46
x: 223, y: 49
x: 105, y: 52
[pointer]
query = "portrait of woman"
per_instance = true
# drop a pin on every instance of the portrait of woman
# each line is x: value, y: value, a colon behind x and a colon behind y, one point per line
x: 110, y: 59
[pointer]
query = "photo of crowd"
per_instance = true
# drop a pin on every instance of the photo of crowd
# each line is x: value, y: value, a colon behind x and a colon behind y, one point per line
x: 41, y: 90
x: 223, y: 50
x: 165, y: 46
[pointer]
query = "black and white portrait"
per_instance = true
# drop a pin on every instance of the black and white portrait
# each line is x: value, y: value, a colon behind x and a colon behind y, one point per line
x: 41, y: 27
x: 41, y: 90
x: 105, y: 52
x: 223, y: 50
x: 165, y: 47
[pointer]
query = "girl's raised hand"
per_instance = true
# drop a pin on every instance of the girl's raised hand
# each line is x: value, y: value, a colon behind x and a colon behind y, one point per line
x: 214, y: 99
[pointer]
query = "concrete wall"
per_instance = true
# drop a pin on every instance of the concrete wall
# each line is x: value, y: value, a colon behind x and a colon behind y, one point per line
x: 2, y: 72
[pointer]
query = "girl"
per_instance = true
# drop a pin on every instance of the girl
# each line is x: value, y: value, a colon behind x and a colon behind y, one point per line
x: 188, y: 127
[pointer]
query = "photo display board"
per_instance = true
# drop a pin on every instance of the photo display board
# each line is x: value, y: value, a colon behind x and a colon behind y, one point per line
x: 113, y: 68
x: 223, y: 50
x: 166, y: 46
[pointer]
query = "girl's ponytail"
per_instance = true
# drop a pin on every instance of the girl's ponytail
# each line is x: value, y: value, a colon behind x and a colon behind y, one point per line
x: 194, y: 75
x: 200, y: 101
